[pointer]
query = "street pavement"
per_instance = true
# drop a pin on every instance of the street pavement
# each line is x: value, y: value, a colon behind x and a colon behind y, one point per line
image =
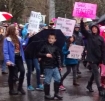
x: 71, y: 94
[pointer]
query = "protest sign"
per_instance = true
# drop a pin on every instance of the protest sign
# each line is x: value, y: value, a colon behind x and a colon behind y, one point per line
x: 65, y: 25
x: 75, y: 52
x: 85, y: 10
x: 34, y: 22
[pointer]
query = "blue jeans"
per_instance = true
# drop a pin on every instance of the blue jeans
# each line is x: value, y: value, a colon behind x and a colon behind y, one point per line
x: 30, y: 63
x: 3, y: 65
x: 52, y: 73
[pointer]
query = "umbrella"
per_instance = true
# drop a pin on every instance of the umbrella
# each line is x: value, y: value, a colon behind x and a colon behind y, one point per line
x: 101, y: 20
x: 37, y: 41
x: 5, y: 16
x: 96, y: 19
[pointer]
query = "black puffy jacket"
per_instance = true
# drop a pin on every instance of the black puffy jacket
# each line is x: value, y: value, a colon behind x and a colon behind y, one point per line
x: 53, y: 62
x: 95, y: 45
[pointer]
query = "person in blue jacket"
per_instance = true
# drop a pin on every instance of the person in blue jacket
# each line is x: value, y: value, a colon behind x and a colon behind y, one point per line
x: 14, y: 57
x: 70, y: 63
x: 25, y: 31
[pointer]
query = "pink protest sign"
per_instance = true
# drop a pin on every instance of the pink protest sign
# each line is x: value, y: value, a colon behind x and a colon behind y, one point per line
x: 85, y: 10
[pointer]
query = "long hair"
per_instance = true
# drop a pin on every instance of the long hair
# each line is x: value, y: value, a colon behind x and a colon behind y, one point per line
x: 69, y: 42
x: 11, y: 32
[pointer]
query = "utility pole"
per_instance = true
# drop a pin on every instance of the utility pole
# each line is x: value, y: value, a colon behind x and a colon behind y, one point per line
x: 51, y: 4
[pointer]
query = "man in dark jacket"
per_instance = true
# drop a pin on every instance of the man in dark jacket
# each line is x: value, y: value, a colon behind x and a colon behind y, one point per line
x: 51, y: 62
x: 78, y: 41
x: 95, y: 54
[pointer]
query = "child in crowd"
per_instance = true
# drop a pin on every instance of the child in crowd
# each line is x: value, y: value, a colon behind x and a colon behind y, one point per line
x: 70, y: 63
x: 51, y: 62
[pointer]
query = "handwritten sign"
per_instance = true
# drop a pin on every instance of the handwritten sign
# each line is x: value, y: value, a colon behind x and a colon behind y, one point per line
x: 85, y: 10
x: 34, y: 22
x: 65, y: 25
x: 75, y: 52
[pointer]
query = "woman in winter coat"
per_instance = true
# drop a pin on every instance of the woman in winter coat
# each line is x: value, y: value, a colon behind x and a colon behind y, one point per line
x: 70, y: 63
x: 14, y: 57
x: 95, y: 54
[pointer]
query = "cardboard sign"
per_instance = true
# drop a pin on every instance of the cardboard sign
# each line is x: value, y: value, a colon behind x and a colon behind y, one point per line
x: 34, y: 22
x: 75, y: 52
x: 85, y: 10
x: 65, y: 25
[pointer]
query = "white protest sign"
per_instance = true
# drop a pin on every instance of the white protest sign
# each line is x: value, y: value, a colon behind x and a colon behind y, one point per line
x: 75, y: 52
x: 65, y: 25
x: 34, y: 22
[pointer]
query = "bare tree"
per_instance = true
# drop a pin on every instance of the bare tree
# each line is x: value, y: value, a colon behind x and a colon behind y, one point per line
x: 15, y: 7
x: 66, y: 7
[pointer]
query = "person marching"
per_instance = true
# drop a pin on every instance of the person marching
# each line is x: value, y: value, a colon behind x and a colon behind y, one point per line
x: 70, y: 63
x: 95, y: 55
x: 14, y: 57
x: 78, y: 41
x: 51, y: 62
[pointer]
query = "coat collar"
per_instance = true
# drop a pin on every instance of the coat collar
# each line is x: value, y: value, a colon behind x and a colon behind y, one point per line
x: 9, y: 39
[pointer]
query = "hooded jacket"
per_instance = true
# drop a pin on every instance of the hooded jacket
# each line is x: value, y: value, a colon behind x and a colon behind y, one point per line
x: 95, y: 45
x: 8, y: 49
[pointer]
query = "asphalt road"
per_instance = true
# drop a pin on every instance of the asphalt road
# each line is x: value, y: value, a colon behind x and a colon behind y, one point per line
x: 71, y: 94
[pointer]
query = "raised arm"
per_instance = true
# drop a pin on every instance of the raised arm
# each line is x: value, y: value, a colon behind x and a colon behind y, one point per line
x: 84, y: 32
x: 24, y: 41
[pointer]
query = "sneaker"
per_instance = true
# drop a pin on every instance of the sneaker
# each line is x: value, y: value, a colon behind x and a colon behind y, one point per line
x: 30, y: 88
x: 42, y: 77
x: 62, y: 88
x: 40, y: 87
